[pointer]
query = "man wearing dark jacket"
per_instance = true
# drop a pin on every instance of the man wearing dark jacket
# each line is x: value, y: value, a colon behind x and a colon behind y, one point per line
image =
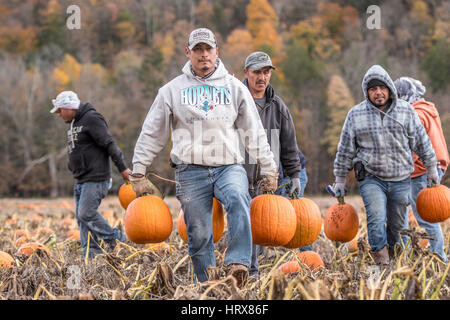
x: 89, y: 147
x: 280, y: 130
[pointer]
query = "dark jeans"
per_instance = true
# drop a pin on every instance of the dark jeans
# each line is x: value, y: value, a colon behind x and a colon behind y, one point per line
x: 88, y: 196
x: 385, y: 203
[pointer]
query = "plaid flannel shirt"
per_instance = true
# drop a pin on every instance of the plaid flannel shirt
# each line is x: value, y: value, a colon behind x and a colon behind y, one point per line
x: 383, y: 144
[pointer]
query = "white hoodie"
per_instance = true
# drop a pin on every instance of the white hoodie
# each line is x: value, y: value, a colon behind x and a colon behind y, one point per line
x: 208, y: 118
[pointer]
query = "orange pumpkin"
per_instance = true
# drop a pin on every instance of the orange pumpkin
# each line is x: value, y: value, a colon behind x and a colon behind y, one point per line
x: 273, y: 220
x: 21, y: 240
x: 433, y: 203
x: 6, y: 261
x: 218, y: 222
x: 148, y: 220
x: 73, y: 234
x: 309, y: 223
x: 67, y: 223
x: 341, y: 222
x: 290, y: 267
x: 158, y: 246
x: 353, y: 244
x: 21, y: 233
x: 311, y: 259
x: 37, y: 218
x: 28, y: 248
x: 423, y: 243
x: 126, y: 195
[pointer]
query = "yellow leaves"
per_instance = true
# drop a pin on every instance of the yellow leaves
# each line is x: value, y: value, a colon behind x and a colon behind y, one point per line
x: 260, y: 12
x: 168, y: 48
x: 262, y: 24
x: 61, y: 78
x: 239, y: 44
x: 419, y: 12
x: 66, y: 72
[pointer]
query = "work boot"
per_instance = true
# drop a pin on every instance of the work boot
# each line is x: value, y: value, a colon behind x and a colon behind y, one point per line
x: 380, y: 257
x: 239, y: 272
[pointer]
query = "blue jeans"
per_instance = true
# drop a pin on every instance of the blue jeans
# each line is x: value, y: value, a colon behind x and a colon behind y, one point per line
x: 257, y: 249
x: 195, y: 191
x: 433, y: 229
x: 88, y: 196
x: 385, y: 203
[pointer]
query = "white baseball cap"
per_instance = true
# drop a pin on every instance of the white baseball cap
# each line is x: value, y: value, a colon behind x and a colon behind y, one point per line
x: 202, y: 35
x: 67, y: 100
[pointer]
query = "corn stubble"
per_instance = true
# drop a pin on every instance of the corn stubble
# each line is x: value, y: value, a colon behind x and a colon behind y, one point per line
x: 132, y: 271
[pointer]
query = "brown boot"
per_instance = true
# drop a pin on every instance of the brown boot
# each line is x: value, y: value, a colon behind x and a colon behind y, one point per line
x: 380, y: 257
x: 239, y: 272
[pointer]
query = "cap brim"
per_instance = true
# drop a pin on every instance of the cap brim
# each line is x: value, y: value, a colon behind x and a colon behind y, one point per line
x: 259, y: 66
x: 211, y: 44
x: 54, y: 110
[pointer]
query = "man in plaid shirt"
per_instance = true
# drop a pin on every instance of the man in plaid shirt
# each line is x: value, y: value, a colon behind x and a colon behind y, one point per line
x: 378, y: 138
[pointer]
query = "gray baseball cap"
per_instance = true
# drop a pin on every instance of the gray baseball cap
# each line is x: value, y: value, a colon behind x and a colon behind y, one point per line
x: 202, y: 35
x: 258, y: 60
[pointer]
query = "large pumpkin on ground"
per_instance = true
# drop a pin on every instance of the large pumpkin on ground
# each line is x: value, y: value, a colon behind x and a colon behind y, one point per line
x: 126, y: 195
x: 6, y: 261
x: 309, y: 223
x: 341, y: 222
x: 310, y: 258
x: 218, y: 222
x: 273, y: 220
x: 433, y: 203
x: 148, y: 220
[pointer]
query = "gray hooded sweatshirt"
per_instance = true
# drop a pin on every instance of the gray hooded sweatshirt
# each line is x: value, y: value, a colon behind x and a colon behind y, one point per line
x: 211, y: 121
x: 383, y: 141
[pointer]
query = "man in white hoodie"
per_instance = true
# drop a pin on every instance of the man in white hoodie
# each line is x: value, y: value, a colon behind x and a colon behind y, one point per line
x: 212, y: 117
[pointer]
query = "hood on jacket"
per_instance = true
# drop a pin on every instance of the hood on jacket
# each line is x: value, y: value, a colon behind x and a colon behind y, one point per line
x: 426, y: 107
x: 83, y: 109
x: 219, y: 73
x: 270, y: 92
x: 377, y: 72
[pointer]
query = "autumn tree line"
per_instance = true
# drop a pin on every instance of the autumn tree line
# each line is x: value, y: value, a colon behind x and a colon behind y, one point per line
x: 125, y: 50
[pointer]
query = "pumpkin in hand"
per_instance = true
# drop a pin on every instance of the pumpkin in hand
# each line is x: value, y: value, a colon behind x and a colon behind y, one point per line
x: 148, y: 220
x: 341, y: 222
x: 273, y: 220
x: 218, y: 222
x: 433, y: 203
x: 309, y: 223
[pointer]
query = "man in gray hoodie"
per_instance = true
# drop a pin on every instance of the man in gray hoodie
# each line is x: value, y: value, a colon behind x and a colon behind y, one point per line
x: 377, y: 140
x: 211, y: 115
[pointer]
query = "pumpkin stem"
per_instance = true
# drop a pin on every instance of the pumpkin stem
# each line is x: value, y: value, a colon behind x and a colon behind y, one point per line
x: 341, y: 200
